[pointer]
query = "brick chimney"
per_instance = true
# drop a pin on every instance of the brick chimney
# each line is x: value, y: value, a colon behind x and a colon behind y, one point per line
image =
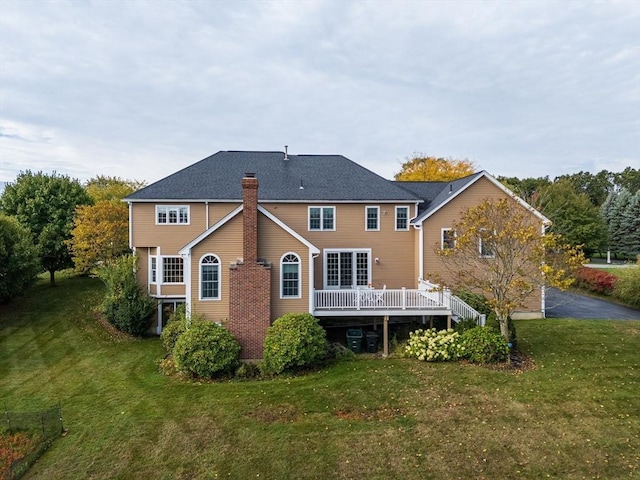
x: 250, y: 218
x: 250, y: 281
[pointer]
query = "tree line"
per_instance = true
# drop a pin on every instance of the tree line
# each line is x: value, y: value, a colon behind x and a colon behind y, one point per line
x: 52, y: 222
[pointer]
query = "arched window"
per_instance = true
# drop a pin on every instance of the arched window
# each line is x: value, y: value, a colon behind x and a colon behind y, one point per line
x: 290, y: 276
x: 210, y: 277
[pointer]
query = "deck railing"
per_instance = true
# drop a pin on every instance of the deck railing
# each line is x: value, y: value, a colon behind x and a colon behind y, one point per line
x: 458, y: 306
x: 374, y: 299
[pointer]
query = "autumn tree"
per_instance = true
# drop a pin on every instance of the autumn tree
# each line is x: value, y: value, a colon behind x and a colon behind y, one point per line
x: 45, y: 204
x: 527, y: 189
x: 19, y: 259
x: 111, y: 188
x: 101, y: 231
x: 100, y: 234
x: 500, y: 251
x: 421, y: 168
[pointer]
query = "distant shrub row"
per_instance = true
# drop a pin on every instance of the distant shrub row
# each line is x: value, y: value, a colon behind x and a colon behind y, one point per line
x: 624, y: 286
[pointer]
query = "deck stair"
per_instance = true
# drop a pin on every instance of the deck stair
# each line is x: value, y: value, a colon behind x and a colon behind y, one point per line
x: 459, y: 308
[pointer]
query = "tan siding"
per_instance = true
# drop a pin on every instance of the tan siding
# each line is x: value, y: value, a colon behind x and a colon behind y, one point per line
x: 143, y: 266
x: 273, y: 243
x: 448, y: 215
x: 394, y: 249
x: 170, y: 238
x: 173, y: 290
x: 226, y: 243
x: 217, y: 211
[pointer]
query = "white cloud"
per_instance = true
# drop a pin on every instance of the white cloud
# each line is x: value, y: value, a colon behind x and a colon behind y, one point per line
x: 141, y: 89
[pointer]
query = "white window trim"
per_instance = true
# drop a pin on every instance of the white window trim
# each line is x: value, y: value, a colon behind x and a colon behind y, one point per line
x: 219, y: 296
x: 282, y: 295
x: 493, y: 255
x: 161, y: 270
x: 350, y: 250
x: 321, y: 229
x: 447, y: 229
x: 174, y: 207
x: 398, y: 207
x: 366, y: 218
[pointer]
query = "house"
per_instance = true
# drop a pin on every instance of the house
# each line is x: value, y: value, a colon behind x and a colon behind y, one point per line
x: 244, y: 237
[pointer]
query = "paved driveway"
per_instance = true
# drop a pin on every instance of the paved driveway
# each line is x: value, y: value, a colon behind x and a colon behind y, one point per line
x: 572, y: 305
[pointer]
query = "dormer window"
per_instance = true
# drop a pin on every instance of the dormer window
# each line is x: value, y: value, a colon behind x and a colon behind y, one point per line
x: 172, y: 215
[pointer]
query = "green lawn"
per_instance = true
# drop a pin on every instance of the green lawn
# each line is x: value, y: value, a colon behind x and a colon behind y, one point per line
x: 575, y: 415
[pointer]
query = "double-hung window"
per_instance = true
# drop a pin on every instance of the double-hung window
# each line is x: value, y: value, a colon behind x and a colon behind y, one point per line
x: 402, y: 218
x: 448, y: 238
x: 485, y: 244
x: 372, y: 219
x: 172, y: 214
x: 210, y: 277
x: 322, y: 218
x: 290, y: 276
x: 172, y: 270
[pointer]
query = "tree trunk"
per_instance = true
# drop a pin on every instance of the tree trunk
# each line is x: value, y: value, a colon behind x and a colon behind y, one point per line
x: 504, y: 327
x: 52, y: 277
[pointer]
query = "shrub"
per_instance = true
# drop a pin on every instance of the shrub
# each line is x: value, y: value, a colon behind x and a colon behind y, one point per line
x: 465, y: 324
x: 627, y: 289
x: 596, y: 281
x: 433, y: 346
x: 170, y: 333
x: 126, y: 306
x: 206, y: 350
x: 294, y: 341
x: 494, y: 324
x: 484, y: 345
x: 475, y: 300
x: 177, y: 325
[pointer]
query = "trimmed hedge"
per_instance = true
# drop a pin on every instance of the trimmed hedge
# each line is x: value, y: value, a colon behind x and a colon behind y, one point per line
x: 294, y: 341
x: 594, y: 280
x: 484, y: 345
x: 206, y: 350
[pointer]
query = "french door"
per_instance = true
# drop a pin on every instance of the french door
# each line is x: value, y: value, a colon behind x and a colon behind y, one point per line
x: 347, y: 268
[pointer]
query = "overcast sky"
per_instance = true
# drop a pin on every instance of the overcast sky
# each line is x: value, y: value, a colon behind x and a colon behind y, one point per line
x: 142, y: 89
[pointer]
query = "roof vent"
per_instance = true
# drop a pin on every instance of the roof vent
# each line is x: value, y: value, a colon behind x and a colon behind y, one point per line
x: 286, y: 152
x: 301, y: 186
x: 450, y: 188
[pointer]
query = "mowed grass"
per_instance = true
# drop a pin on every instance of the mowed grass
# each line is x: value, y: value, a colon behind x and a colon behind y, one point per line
x: 575, y: 415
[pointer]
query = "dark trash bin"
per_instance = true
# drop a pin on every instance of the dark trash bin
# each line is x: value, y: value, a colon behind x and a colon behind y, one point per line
x: 354, y: 339
x: 372, y: 342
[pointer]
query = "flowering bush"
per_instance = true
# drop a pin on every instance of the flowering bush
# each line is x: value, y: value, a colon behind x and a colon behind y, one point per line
x: 433, y: 346
x: 595, y: 280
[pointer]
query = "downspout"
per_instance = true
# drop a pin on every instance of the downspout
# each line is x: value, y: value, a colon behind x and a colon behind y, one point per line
x: 206, y: 207
x: 130, y: 225
x: 186, y: 260
x: 420, y: 251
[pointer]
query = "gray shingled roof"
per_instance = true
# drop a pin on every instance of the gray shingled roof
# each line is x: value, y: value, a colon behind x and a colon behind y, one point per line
x: 427, y: 191
x: 323, y: 178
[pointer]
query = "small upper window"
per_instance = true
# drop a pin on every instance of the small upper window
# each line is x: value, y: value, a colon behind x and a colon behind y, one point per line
x: 372, y: 218
x: 322, y: 218
x: 172, y: 215
x: 153, y: 270
x: 448, y: 238
x: 402, y: 218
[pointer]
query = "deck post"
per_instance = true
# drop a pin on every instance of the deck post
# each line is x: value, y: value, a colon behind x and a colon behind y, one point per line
x: 385, y: 336
x: 448, y: 322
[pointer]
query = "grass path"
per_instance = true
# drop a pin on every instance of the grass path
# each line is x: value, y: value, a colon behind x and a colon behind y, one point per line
x: 576, y: 415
